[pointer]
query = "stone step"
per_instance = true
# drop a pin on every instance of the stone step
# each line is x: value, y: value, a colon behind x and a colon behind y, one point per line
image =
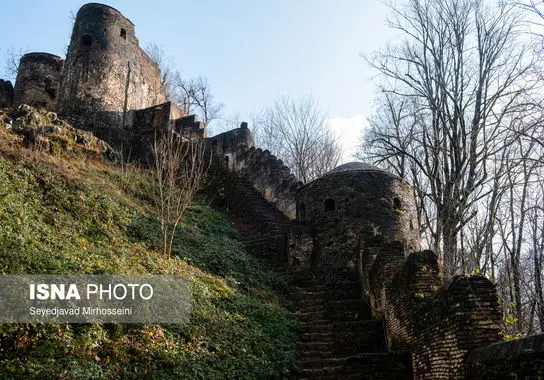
x: 348, y: 304
x: 320, y: 322
x: 314, y: 288
x: 370, y: 366
x: 312, y: 315
x: 315, y: 291
x: 269, y: 241
x: 314, y: 346
x: 314, y: 354
x: 311, y: 308
x: 317, y: 337
x: 326, y: 325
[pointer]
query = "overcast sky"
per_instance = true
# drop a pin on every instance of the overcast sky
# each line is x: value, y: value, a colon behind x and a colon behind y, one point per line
x: 251, y: 51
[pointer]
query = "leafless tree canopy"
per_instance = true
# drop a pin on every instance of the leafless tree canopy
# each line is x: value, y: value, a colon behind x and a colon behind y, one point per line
x: 295, y: 130
x: 12, y: 57
x: 179, y: 171
x: 460, y: 115
x: 195, y: 96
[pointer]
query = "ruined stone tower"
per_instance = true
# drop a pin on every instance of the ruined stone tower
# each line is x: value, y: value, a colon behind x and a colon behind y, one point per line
x: 107, y: 75
x: 354, y: 194
x: 354, y: 211
x: 38, y: 80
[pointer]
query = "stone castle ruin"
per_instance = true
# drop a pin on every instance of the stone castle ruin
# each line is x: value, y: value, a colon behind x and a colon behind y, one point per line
x: 107, y: 84
x: 370, y: 303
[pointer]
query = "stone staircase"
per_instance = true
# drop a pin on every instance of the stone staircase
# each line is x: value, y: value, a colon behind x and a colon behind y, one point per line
x: 264, y: 226
x: 337, y: 338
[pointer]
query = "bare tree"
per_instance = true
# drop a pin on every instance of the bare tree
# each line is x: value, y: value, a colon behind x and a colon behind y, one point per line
x: 191, y: 95
x: 536, y: 233
x: 535, y: 8
x: 458, y: 72
x: 179, y: 171
x: 11, y: 62
x: 195, y: 96
x: 295, y: 130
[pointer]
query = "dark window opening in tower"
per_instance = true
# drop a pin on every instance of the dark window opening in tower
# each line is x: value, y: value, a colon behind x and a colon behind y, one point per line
x: 411, y: 224
x: 396, y: 204
x: 123, y: 34
x: 329, y: 205
x: 86, y: 40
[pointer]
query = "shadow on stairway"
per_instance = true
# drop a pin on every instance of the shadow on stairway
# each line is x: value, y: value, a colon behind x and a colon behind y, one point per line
x: 337, y: 337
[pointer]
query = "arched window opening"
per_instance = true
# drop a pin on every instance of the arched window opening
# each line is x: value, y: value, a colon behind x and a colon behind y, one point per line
x: 329, y: 205
x: 397, y: 205
x: 227, y: 162
x: 411, y: 224
x: 123, y: 34
x: 86, y: 40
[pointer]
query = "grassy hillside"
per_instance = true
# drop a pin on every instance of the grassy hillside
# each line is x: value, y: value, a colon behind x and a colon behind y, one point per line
x: 64, y: 209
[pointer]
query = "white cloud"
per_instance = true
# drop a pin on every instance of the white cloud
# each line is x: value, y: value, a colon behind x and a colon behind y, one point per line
x: 350, y: 132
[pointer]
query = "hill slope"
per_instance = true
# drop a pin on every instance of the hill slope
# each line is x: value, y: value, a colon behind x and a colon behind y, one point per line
x: 64, y: 209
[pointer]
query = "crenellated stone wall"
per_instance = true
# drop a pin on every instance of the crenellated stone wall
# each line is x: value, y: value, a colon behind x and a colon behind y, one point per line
x: 271, y: 178
x: 188, y: 126
x: 268, y: 175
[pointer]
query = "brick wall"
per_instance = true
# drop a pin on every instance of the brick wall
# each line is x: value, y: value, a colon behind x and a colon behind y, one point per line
x: 516, y: 359
x: 439, y: 325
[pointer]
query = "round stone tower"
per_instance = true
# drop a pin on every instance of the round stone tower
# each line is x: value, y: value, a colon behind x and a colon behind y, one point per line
x: 357, y: 195
x: 38, y: 80
x: 107, y: 75
x: 357, y: 213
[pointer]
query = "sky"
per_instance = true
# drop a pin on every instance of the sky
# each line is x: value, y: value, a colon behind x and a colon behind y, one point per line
x: 251, y: 51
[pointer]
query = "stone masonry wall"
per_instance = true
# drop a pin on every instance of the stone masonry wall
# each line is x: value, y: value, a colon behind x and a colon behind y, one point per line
x: 231, y: 143
x: 147, y: 124
x: 516, y: 359
x: 270, y: 177
x: 6, y: 93
x: 438, y: 325
x: 356, y: 197
x: 107, y: 75
x: 189, y: 126
x: 38, y: 80
x: 301, y: 247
